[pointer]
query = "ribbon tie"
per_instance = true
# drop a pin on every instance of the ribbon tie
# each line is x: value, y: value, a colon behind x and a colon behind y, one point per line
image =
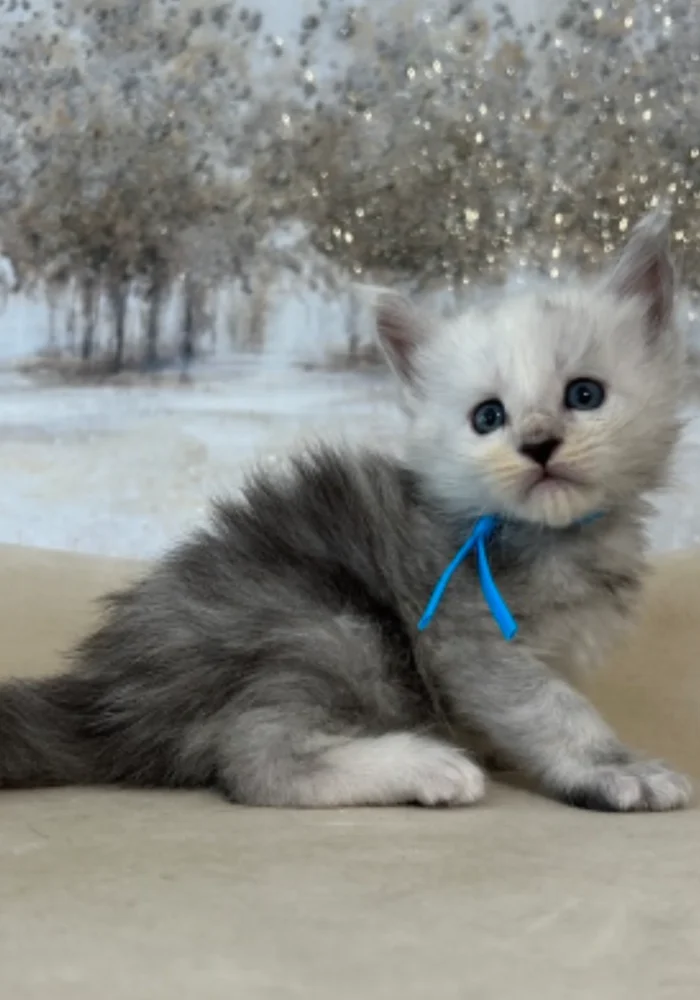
x: 479, y: 538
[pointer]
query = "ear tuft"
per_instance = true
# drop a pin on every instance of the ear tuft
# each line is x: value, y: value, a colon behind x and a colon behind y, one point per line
x: 645, y: 269
x: 400, y: 329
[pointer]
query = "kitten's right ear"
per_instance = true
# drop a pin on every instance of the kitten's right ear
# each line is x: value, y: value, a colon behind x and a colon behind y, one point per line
x: 645, y: 269
x: 401, y: 328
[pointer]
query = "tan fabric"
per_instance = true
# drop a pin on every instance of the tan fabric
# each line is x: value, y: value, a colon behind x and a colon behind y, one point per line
x: 107, y: 894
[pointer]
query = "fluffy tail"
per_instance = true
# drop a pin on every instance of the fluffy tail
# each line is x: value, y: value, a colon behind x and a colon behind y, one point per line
x: 45, y: 736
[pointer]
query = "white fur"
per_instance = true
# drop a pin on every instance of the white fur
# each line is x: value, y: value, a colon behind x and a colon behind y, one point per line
x: 387, y: 770
x: 523, y: 350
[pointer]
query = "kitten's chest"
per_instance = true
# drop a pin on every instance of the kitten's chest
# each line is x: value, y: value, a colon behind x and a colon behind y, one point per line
x: 575, y: 607
x: 577, y: 640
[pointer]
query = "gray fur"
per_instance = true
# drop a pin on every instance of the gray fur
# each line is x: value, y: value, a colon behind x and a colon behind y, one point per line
x: 275, y: 655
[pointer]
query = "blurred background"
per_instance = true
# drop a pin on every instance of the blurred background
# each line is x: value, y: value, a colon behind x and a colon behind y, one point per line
x: 195, y: 195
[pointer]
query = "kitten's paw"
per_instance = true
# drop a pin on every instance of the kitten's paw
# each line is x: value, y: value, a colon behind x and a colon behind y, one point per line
x: 632, y: 787
x: 445, y: 777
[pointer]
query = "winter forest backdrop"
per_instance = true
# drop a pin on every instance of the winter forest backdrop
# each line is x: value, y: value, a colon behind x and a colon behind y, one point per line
x: 171, y: 171
x: 193, y: 195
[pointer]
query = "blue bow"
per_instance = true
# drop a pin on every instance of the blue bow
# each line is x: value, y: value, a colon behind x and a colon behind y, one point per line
x: 481, y: 533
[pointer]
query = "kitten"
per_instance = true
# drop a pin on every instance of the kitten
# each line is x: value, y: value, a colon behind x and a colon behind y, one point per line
x: 276, y: 655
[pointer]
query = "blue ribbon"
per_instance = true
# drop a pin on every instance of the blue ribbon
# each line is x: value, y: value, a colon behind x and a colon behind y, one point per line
x: 479, y: 538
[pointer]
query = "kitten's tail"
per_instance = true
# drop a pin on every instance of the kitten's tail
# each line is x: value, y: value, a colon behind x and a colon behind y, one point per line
x: 45, y: 734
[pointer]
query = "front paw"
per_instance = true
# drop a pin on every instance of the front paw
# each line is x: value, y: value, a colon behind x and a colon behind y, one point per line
x: 637, y: 786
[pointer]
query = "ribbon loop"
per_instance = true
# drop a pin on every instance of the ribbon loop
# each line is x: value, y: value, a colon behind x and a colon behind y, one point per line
x: 481, y: 533
x: 479, y: 539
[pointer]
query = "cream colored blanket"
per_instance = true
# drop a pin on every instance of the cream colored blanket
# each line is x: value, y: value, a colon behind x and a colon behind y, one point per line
x: 113, y: 895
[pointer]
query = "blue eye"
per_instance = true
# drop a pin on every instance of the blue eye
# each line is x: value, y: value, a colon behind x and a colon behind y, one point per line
x: 584, y: 394
x: 489, y: 416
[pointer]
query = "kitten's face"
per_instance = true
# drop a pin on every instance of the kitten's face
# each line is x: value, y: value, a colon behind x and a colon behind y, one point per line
x: 572, y: 373
x: 550, y: 406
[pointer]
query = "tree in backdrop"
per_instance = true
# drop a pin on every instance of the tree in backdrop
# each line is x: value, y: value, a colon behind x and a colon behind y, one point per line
x: 161, y: 142
x: 115, y: 175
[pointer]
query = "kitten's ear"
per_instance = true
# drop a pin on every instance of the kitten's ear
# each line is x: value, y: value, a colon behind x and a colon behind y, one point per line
x: 644, y: 269
x: 401, y: 328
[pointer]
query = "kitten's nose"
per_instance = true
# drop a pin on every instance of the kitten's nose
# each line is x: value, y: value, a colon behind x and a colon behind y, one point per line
x: 540, y: 451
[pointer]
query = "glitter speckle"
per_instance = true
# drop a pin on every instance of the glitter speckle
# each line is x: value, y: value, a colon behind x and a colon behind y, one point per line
x: 436, y: 150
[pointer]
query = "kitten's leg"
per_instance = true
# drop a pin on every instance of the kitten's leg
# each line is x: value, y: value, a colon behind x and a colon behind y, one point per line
x: 553, y: 733
x: 268, y: 759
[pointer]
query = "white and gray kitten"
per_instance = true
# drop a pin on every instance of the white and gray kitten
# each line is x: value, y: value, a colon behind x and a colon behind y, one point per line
x: 276, y: 655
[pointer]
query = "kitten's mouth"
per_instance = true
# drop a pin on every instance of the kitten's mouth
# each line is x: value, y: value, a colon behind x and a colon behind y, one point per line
x: 552, y: 478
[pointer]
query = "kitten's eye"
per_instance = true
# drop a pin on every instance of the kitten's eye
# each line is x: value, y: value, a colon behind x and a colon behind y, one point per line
x: 489, y: 416
x: 584, y: 394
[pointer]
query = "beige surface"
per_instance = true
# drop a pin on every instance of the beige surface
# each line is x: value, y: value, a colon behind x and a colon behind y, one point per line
x: 107, y: 895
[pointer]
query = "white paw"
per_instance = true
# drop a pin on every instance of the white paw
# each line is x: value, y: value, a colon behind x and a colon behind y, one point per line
x: 442, y: 776
x: 633, y: 787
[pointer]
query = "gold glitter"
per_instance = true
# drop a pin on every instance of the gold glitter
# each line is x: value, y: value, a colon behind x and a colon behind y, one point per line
x: 430, y: 153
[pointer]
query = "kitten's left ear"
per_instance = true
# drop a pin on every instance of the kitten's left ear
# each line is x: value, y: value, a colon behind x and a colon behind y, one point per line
x: 644, y: 269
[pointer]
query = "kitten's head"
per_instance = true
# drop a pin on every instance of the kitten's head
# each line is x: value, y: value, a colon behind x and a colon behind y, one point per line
x: 550, y: 405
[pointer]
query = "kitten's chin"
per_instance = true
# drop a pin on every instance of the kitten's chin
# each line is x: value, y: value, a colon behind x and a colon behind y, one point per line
x: 558, y: 503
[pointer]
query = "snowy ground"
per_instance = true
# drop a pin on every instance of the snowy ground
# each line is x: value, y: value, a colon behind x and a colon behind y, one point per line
x: 126, y: 470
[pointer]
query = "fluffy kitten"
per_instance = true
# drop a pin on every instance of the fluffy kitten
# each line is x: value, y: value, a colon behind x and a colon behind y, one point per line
x: 276, y: 655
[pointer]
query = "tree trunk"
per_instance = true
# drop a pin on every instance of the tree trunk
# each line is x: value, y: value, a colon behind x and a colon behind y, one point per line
x: 53, y: 309
x: 88, y: 308
x: 188, y: 325
x: 353, y: 329
x: 155, y: 303
x: 118, y: 292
